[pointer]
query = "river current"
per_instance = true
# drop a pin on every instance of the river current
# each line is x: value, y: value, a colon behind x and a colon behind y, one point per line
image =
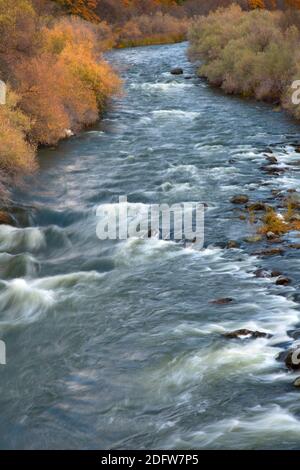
x: 116, y: 344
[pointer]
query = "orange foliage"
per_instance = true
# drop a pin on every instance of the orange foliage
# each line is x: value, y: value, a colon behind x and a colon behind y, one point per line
x: 253, y: 4
x: 83, y: 8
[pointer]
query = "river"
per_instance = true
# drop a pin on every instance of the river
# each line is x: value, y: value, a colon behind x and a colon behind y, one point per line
x: 116, y: 344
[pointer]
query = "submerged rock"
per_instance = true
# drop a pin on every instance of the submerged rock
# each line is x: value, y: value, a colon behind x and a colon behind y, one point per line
x: 258, y: 206
x: 253, y: 239
x: 232, y: 244
x: 177, y: 71
x: 239, y: 199
x: 262, y: 273
x: 269, y: 252
x: 224, y: 301
x: 245, y: 332
x: 273, y: 170
x: 275, y: 273
x: 272, y: 159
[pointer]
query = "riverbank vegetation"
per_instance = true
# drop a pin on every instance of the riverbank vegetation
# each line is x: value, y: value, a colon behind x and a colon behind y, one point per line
x: 57, y: 79
x: 250, y: 53
x: 144, y: 22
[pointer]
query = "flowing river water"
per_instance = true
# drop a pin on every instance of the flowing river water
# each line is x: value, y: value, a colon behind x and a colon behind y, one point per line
x: 116, y: 344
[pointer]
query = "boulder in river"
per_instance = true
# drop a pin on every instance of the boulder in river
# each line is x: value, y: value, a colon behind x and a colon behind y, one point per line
x: 239, y: 199
x: 223, y: 301
x: 272, y: 159
x: 262, y: 273
x: 177, y: 71
x: 283, y: 281
x: 273, y: 170
x: 245, y: 332
x: 258, y: 206
x: 269, y: 252
x: 275, y: 273
x: 295, y: 246
x: 5, y: 218
x: 232, y: 244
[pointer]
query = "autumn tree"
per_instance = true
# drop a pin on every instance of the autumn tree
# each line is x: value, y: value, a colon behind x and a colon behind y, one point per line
x: 83, y: 8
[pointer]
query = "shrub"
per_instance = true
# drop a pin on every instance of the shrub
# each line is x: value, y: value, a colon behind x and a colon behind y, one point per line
x: 247, y: 53
x: 68, y: 84
x: 152, y: 29
x: 16, y: 154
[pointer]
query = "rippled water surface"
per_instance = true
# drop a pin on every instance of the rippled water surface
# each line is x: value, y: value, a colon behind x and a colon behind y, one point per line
x: 116, y: 344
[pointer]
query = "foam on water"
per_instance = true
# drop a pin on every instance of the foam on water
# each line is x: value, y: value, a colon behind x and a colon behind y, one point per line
x: 161, y: 86
x: 171, y: 114
x: 21, y: 239
x: 23, y: 302
x: 264, y: 428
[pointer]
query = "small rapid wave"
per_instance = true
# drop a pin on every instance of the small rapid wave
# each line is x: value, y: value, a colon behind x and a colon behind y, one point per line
x: 21, y: 239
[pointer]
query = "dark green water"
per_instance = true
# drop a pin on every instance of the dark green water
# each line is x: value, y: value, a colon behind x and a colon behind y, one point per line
x: 115, y: 344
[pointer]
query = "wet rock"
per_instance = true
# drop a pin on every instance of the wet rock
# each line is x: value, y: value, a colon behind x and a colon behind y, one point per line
x: 262, y: 273
x: 297, y: 382
x: 295, y: 218
x: 177, y: 71
x: 239, y: 199
x: 273, y: 170
x: 297, y: 149
x: 273, y: 160
x: 283, y: 281
x: 295, y: 246
x: 188, y: 77
x: 6, y: 218
x: 223, y: 301
x: 269, y: 252
x: 258, y: 206
x: 275, y: 240
x: 245, y: 332
x: 232, y: 244
x: 276, y: 273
